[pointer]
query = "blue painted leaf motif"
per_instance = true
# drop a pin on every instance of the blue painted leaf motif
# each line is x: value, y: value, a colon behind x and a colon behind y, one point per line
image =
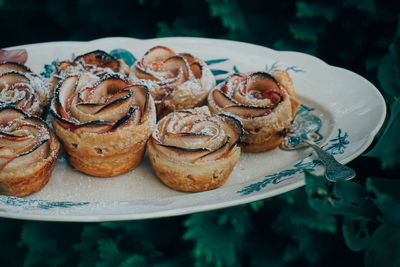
x: 218, y: 72
x: 38, y: 204
x: 218, y: 81
x: 120, y: 53
x: 49, y: 69
x: 294, y: 69
x: 235, y: 69
x: 276, y: 65
x: 273, y: 66
x: 215, y: 61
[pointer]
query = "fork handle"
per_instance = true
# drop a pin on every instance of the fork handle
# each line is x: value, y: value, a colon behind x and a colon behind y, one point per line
x: 334, y: 171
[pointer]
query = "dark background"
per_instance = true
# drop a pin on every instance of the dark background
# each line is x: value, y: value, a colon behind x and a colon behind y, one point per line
x: 355, y: 223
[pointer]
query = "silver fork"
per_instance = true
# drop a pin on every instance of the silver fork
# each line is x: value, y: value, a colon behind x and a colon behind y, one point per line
x: 334, y: 171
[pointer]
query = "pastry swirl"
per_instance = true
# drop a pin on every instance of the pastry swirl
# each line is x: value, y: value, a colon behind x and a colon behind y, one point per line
x: 194, y: 151
x: 176, y: 81
x: 103, y: 123
x: 264, y: 102
x: 20, y: 87
x: 97, y: 62
x: 28, y: 152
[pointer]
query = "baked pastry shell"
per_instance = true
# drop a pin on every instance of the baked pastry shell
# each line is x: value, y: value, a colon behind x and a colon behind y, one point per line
x: 192, y: 177
x: 107, y: 154
x: 28, y: 181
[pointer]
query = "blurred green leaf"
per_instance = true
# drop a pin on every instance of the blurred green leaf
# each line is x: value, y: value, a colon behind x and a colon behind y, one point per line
x: 356, y: 234
x: 367, y: 5
x: 306, y: 30
x: 389, y: 71
x: 387, y: 198
x: 387, y: 148
x: 348, y: 199
x: 310, y: 10
x: 384, y: 248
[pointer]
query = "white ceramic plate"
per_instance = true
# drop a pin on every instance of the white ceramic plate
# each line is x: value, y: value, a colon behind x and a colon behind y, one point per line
x: 348, y: 109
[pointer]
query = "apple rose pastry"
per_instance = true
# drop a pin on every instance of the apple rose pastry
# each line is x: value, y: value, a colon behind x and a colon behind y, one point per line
x: 97, y: 62
x: 193, y: 150
x: 28, y: 152
x: 264, y: 102
x: 176, y: 81
x: 103, y: 123
x: 23, y: 89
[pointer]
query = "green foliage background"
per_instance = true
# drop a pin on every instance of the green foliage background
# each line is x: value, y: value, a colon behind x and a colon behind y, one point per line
x: 353, y: 223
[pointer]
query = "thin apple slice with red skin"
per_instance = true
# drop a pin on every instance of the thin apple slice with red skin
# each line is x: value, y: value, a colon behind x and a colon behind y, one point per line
x: 274, y: 96
x: 13, y: 77
x: 234, y: 127
x: 106, y: 87
x: 13, y: 66
x: 133, y: 112
x: 262, y: 81
x: 14, y: 55
x: 183, y: 154
x: 141, y: 95
x: 8, y: 114
x: 120, y: 104
x: 186, y: 140
x: 89, y: 108
x: 175, y: 65
x: 157, y: 54
x: 142, y: 73
x: 247, y: 111
x: 38, y: 142
x: 25, y: 159
x: 197, y: 69
x: 93, y: 127
x: 189, y: 57
x: 217, y: 153
x: 100, y: 59
x: 21, y: 143
x: 65, y: 89
x: 222, y: 100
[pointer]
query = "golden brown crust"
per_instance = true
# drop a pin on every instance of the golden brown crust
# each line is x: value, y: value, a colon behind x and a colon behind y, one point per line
x: 269, y: 144
x: 105, y: 155
x: 192, y: 177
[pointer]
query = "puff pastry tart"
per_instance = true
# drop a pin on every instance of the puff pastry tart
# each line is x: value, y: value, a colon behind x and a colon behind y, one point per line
x: 97, y: 62
x: 20, y: 87
x: 28, y: 152
x: 176, y: 81
x: 265, y: 103
x: 192, y: 150
x: 103, y: 123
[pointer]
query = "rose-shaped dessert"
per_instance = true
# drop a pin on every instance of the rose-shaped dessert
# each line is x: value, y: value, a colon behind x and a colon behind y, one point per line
x: 176, y: 81
x: 264, y: 102
x: 103, y: 123
x: 97, y: 62
x: 193, y: 151
x: 23, y: 89
x: 28, y: 152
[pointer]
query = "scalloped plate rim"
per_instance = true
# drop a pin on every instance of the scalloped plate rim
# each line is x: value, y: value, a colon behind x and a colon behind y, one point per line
x: 204, y: 207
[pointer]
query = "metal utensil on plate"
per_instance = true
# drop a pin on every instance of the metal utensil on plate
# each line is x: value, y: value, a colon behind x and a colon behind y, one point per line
x: 334, y: 171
